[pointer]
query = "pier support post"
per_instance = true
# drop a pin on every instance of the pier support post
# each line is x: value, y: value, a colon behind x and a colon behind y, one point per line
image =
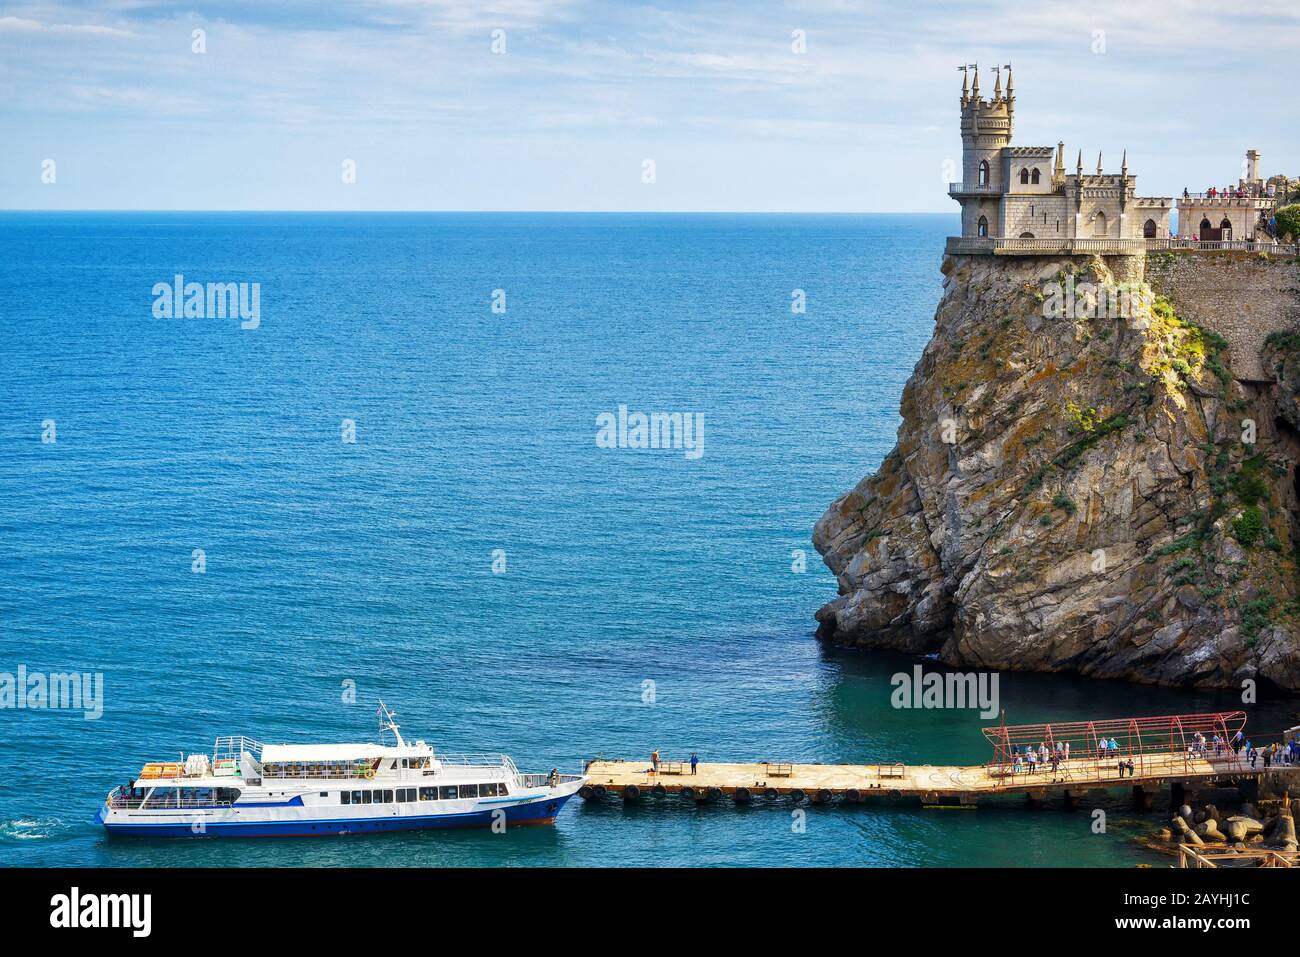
x: 1141, y: 798
x: 1177, y: 794
x: 1069, y: 801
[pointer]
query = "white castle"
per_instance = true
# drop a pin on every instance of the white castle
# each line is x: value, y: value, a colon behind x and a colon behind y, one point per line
x: 1020, y: 200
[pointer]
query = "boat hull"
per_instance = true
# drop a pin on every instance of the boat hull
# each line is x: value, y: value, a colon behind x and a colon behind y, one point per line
x: 541, y: 811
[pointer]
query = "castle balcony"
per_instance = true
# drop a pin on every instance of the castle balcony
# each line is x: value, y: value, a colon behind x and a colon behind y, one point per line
x: 973, y: 189
x: 981, y: 246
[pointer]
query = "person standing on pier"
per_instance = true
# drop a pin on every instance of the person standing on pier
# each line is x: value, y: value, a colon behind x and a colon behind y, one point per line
x: 654, y: 761
x: 695, y: 760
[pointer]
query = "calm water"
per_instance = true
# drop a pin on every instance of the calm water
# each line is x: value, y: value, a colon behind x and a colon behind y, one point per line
x: 331, y: 563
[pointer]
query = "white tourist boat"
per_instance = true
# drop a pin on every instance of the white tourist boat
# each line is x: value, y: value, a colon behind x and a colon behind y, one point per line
x: 250, y: 789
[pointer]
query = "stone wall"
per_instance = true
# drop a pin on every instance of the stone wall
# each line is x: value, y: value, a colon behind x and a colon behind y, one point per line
x: 1241, y: 296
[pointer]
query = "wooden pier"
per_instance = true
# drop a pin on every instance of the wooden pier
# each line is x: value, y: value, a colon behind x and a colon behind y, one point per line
x: 1157, y: 752
x: 932, y: 785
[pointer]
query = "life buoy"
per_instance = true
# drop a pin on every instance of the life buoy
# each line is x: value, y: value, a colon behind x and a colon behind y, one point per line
x: 370, y: 774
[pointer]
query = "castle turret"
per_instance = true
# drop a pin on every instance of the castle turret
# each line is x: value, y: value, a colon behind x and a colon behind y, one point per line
x: 986, y: 127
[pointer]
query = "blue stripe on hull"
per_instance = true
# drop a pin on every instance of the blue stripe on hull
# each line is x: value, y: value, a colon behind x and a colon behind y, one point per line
x: 535, y: 812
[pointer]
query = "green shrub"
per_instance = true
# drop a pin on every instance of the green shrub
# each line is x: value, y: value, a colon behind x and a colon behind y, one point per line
x: 1064, y: 503
x: 1288, y: 220
x: 1247, y: 526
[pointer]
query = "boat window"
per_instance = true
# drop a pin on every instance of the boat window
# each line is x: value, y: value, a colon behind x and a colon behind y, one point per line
x: 356, y: 797
x: 367, y: 796
x: 449, y: 793
x: 388, y: 797
x: 345, y: 797
x: 469, y: 790
x: 394, y: 767
x: 487, y: 790
x: 502, y: 790
x: 428, y: 794
x: 403, y: 795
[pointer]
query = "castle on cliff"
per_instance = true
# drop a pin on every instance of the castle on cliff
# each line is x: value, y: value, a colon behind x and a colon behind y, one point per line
x: 1024, y: 192
x: 1019, y: 200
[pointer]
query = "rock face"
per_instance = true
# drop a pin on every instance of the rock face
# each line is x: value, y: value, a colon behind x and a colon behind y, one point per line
x: 1075, y: 493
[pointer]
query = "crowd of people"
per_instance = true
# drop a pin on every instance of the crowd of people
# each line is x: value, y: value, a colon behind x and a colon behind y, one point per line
x: 1230, y: 192
x: 1053, y: 758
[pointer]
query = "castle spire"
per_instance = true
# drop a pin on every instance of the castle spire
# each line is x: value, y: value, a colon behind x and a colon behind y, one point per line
x: 965, y: 91
x: 1060, y: 159
x: 997, y: 84
x: 1011, y: 90
x: 1099, y: 162
x: 1079, y: 172
x: 975, y: 88
x: 1123, y: 165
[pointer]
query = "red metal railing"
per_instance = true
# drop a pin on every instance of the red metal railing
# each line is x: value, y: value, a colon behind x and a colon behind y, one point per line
x: 1074, y: 750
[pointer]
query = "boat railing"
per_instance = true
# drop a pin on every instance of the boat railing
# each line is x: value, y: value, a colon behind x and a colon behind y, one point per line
x: 336, y: 774
x: 163, y: 802
x: 545, y: 780
x: 235, y: 746
x: 478, y: 760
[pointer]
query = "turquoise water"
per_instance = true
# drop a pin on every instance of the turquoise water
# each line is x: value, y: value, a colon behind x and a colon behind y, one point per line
x: 332, y: 565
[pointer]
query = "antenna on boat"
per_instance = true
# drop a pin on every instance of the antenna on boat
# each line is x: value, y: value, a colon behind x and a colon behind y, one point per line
x: 388, y: 722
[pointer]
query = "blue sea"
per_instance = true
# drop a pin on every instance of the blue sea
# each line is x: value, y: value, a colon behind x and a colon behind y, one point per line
x: 640, y: 598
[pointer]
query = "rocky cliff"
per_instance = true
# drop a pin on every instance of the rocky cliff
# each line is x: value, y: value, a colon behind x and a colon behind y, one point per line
x: 1099, y: 495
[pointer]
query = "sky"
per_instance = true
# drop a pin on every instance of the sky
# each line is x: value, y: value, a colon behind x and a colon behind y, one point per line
x: 561, y: 110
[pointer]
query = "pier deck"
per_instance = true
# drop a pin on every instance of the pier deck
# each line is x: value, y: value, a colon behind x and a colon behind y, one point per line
x: 932, y: 785
x: 1141, y: 753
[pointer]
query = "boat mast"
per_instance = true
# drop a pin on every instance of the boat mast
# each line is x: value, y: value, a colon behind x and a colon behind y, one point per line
x: 388, y: 722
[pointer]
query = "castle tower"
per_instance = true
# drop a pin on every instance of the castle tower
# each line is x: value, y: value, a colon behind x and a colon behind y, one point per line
x: 985, y: 129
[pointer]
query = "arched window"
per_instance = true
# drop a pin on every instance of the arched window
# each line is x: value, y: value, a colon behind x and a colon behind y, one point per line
x: 983, y: 228
x: 1034, y: 177
x: 1149, y: 229
x: 984, y: 172
x: 1026, y: 235
x: 1205, y: 224
x: 1024, y: 177
x: 1226, y: 228
x: 1099, y: 225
